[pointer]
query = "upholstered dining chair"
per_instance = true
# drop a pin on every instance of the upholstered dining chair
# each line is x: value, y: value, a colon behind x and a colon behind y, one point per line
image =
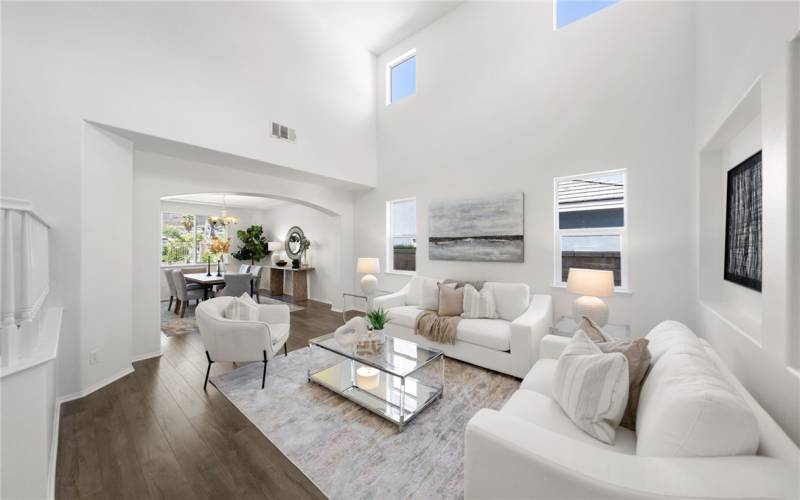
x: 229, y: 340
x: 235, y: 285
x: 184, y: 292
x: 256, y: 272
x: 173, y: 293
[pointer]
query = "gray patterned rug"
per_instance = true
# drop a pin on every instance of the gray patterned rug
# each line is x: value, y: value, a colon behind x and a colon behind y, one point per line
x: 349, y: 452
x: 172, y: 324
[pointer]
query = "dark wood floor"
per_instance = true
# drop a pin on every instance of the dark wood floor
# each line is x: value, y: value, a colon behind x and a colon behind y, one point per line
x: 156, y: 434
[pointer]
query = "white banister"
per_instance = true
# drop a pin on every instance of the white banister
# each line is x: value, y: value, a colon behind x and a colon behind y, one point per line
x: 24, y: 278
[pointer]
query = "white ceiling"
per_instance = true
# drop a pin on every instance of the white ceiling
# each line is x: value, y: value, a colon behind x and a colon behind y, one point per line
x: 224, y: 199
x: 380, y: 25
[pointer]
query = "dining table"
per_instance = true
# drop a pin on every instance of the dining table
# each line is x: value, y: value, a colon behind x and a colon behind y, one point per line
x: 209, y: 282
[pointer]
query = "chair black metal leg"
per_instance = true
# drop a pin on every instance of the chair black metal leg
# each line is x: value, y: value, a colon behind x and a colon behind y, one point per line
x: 264, y: 376
x: 170, y: 303
x: 208, y: 372
x: 285, y: 352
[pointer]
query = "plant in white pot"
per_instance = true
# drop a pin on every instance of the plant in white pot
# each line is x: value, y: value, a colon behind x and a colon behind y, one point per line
x: 373, y: 341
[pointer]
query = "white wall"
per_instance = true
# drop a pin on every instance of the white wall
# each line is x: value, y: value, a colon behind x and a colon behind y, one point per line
x: 209, y: 74
x: 157, y: 175
x: 504, y: 104
x: 743, y: 57
x: 105, y: 240
x: 324, y: 254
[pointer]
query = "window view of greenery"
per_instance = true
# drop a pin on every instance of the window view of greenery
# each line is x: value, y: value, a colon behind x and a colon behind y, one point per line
x: 185, y: 238
x: 403, y: 219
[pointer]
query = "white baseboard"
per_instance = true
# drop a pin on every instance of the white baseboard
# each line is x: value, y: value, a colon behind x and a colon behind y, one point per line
x: 148, y: 355
x: 57, y: 421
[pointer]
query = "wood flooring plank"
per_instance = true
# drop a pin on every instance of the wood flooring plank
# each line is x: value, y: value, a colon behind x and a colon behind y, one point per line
x: 157, y: 434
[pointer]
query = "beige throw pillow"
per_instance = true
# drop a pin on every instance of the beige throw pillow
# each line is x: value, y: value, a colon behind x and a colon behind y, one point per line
x: 478, y: 304
x: 451, y: 301
x: 592, y: 330
x: 638, y: 357
x: 592, y: 387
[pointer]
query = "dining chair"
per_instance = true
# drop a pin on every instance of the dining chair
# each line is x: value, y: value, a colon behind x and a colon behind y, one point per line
x: 185, y: 292
x: 236, y: 284
x: 256, y: 272
x: 173, y: 293
x: 231, y: 340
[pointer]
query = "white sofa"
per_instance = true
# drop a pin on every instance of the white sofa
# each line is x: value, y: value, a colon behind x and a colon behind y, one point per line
x: 531, y: 449
x: 509, y: 344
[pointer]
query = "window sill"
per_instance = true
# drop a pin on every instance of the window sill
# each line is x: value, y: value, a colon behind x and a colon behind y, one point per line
x: 402, y: 273
x: 617, y: 290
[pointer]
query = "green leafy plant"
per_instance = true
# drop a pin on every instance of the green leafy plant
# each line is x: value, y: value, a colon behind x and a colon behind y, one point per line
x: 253, y: 246
x: 378, y: 318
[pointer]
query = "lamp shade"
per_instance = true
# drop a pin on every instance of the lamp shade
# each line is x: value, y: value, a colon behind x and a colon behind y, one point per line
x: 369, y: 265
x: 274, y: 245
x: 590, y: 282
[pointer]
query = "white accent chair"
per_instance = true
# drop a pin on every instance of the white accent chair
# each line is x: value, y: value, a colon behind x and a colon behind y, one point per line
x: 531, y: 448
x: 229, y: 340
x: 509, y: 344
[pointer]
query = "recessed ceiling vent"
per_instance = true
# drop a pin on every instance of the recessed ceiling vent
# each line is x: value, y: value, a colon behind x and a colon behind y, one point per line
x: 283, y: 132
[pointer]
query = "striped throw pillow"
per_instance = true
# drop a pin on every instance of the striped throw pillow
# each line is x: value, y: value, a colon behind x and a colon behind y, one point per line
x: 242, y: 308
x: 592, y: 387
x: 478, y: 304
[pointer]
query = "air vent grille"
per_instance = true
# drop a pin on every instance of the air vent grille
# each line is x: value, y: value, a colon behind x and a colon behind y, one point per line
x: 283, y: 132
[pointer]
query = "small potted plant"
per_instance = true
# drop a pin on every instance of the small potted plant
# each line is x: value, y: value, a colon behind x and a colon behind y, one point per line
x: 372, y: 342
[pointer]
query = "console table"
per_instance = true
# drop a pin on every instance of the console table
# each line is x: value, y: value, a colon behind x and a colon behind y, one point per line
x: 299, y: 280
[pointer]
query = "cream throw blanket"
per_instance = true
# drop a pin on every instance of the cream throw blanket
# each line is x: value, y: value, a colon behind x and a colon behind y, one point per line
x: 437, y: 328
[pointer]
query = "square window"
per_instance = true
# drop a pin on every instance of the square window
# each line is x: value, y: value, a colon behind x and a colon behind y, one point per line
x: 402, y: 77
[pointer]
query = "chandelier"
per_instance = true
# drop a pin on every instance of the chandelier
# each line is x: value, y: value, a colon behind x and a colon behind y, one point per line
x: 224, y: 219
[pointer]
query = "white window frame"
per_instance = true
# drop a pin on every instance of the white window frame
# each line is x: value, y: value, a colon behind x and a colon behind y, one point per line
x: 389, y: 237
x: 396, y: 62
x: 600, y: 231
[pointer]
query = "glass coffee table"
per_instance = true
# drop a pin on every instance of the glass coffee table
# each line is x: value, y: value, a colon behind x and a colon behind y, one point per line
x: 396, y: 381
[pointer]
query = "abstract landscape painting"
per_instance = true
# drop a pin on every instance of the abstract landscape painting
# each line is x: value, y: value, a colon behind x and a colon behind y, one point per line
x: 488, y: 229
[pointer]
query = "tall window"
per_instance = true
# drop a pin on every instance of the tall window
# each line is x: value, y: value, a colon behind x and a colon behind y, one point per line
x: 591, y: 224
x: 185, y: 238
x: 401, y: 77
x: 401, y: 223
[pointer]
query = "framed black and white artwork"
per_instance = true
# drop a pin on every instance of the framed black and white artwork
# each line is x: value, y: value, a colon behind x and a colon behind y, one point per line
x: 743, y: 224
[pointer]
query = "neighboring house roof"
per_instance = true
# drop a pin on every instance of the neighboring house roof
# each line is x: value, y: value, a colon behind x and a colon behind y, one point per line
x: 589, y: 194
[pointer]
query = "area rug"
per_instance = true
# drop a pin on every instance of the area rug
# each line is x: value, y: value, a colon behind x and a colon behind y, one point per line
x: 349, y: 452
x: 172, y: 324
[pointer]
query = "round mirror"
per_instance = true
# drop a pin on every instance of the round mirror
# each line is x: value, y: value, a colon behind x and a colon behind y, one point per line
x: 293, y: 239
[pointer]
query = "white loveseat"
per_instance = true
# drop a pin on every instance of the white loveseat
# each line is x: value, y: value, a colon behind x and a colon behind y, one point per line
x: 509, y: 344
x: 531, y: 449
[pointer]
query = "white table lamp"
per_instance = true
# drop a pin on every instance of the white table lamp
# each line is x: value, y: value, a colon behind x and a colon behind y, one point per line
x: 370, y: 266
x: 590, y: 284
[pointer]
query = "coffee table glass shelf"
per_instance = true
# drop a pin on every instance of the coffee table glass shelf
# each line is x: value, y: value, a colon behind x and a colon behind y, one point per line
x: 396, y: 381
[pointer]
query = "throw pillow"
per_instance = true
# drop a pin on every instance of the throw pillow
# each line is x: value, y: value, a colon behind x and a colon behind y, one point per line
x: 592, y: 387
x: 460, y: 284
x: 242, y: 308
x: 592, y: 329
x: 429, y: 297
x: 451, y: 301
x: 478, y: 304
x: 638, y: 357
